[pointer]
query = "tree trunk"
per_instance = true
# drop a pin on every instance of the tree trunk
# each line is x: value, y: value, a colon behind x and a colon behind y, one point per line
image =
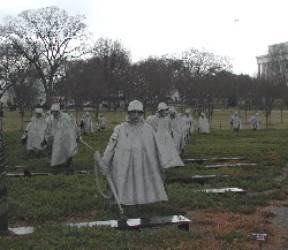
x: 115, y: 105
x: 97, y: 104
x: 3, y: 189
x: 22, y: 113
x: 267, y: 116
x: 281, y: 113
x: 246, y: 115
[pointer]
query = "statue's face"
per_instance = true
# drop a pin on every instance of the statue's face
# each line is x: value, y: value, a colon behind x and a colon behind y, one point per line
x: 163, y: 112
x: 55, y: 114
x: 38, y: 115
x: 172, y: 115
x: 135, y: 116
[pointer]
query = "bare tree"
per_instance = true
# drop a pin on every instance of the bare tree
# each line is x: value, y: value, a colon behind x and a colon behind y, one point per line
x: 198, y: 81
x: 269, y: 93
x: 74, y: 85
x: 14, y: 67
x: 18, y: 77
x: 47, y: 37
x: 26, y: 91
x: 112, y: 63
x: 154, y: 79
x: 204, y: 63
x: 84, y: 83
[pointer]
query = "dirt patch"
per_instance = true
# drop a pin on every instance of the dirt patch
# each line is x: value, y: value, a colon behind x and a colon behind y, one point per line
x: 234, y: 229
x: 228, y: 230
x: 278, y: 228
x: 272, y: 156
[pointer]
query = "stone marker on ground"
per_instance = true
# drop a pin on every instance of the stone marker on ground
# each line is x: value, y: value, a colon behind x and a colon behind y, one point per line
x: 21, y: 230
x: 229, y: 165
x: 27, y: 173
x: 201, y: 160
x: 222, y: 190
x: 195, y: 178
x: 135, y: 223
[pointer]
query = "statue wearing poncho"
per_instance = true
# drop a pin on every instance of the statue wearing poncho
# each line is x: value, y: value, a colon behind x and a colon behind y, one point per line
x: 161, y: 124
x: 35, y: 130
x: 61, y: 136
x: 134, y: 160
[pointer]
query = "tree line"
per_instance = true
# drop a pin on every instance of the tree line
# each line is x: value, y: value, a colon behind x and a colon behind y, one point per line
x: 47, y: 50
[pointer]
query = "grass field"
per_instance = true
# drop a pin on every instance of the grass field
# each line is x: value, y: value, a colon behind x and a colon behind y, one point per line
x: 218, y: 221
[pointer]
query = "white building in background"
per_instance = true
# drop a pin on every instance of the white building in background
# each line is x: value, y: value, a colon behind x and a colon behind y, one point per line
x: 274, y: 65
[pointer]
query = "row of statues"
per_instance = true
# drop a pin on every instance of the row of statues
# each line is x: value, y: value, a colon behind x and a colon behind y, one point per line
x: 58, y: 133
x: 87, y: 125
x: 139, y: 150
x: 236, y: 124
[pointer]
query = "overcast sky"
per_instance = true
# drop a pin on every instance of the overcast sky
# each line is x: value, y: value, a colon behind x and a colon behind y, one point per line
x: 238, y: 29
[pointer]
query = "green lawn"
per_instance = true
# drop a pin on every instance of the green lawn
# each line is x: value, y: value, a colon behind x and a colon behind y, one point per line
x: 48, y: 201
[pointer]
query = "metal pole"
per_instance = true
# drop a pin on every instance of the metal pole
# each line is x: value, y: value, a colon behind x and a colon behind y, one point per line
x: 100, y: 163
